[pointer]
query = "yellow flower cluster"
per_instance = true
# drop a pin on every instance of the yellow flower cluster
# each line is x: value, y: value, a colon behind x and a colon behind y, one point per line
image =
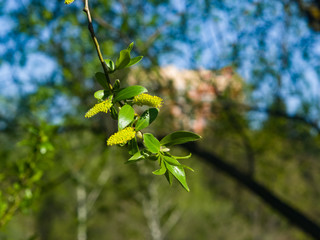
x: 146, y: 99
x: 122, y: 136
x: 100, y: 107
x: 68, y: 1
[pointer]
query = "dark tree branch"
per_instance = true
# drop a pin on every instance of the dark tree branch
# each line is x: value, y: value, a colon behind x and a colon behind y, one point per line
x: 227, y: 104
x: 290, y: 213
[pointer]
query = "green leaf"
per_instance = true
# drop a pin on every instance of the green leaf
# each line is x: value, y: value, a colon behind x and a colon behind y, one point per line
x: 136, y: 157
x: 110, y: 65
x: 133, y: 146
x: 123, y: 60
x: 134, y: 60
x: 146, y: 118
x: 151, y: 143
x: 169, y: 177
x: 183, y: 157
x: 129, y: 92
x: 171, y: 160
x: 116, y: 85
x: 130, y: 47
x: 102, y: 80
x: 149, y: 155
x: 179, y: 174
x: 161, y: 170
x: 114, y: 113
x: 126, y: 116
x: 101, y: 94
x: 187, y: 167
x: 179, y: 137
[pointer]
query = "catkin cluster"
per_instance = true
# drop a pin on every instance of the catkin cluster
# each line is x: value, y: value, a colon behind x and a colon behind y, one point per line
x: 100, y: 107
x: 148, y: 100
x: 121, y: 137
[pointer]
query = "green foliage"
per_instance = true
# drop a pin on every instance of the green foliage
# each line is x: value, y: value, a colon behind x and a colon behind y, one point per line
x: 179, y: 137
x: 101, y: 79
x: 151, y: 143
x: 126, y: 116
x: 129, y: 92
x: 285, y: 161
x: 20, y: 187
x: 154, y: 150
x: 146, y: 118
x: 124, y: 60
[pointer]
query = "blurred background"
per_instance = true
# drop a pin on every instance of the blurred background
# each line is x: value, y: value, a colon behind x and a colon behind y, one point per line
x: 243, y: 74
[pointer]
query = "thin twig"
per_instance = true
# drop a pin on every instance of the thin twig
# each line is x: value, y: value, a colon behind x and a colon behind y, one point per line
x: 10, y: 211
x: 96, y: 43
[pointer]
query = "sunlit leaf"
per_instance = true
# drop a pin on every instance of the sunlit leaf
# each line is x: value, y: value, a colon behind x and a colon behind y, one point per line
x: 179, y: 137
x: 134, y: 60
x: 171, y: 160
x: 161, y: 170
x: 136, y: 157
x: 130, y: 47
x: 146, y: 118
x: 101, y: 94
x: 123, y: 60
x: 151, y: 143
x: 183, y: 157
x: 129, y: 92
x: 179, y: 174
x: 126, y: 116
x: 187, y: 167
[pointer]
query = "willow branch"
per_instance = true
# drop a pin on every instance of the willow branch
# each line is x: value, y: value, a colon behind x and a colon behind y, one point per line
x: 96, y: 43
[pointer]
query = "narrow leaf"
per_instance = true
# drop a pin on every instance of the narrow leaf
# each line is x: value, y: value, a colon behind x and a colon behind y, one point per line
x: 183, y: 157
x: 133, y: 146
x: 114, y: 113
x: 134, y: 60
x: 161, y: 170
x: 102, y: 94
x: 151, y: 143
x: 171, y: 160
x: 179, y: 174
x: 130, y: 47
x: 146, y: 118
x: 102, y: 80
x: 126, y: 116
x: 136, y: 157
x: 169, y: 177
x: 179, y: 137
x: 129, y: 92
x: 187, y: 167
x: 123, y: 60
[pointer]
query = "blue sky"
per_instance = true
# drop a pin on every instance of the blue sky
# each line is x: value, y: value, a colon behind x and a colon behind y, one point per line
x: 215, y: 38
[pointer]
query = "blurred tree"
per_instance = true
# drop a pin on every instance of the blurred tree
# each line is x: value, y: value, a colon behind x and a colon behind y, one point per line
x: 272, y: 134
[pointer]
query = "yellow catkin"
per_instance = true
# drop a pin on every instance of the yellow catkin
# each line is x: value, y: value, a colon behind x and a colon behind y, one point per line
x: 68, y: 1
x: 100, y: 107
x: 122, y: 136
x: 148, y: 100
